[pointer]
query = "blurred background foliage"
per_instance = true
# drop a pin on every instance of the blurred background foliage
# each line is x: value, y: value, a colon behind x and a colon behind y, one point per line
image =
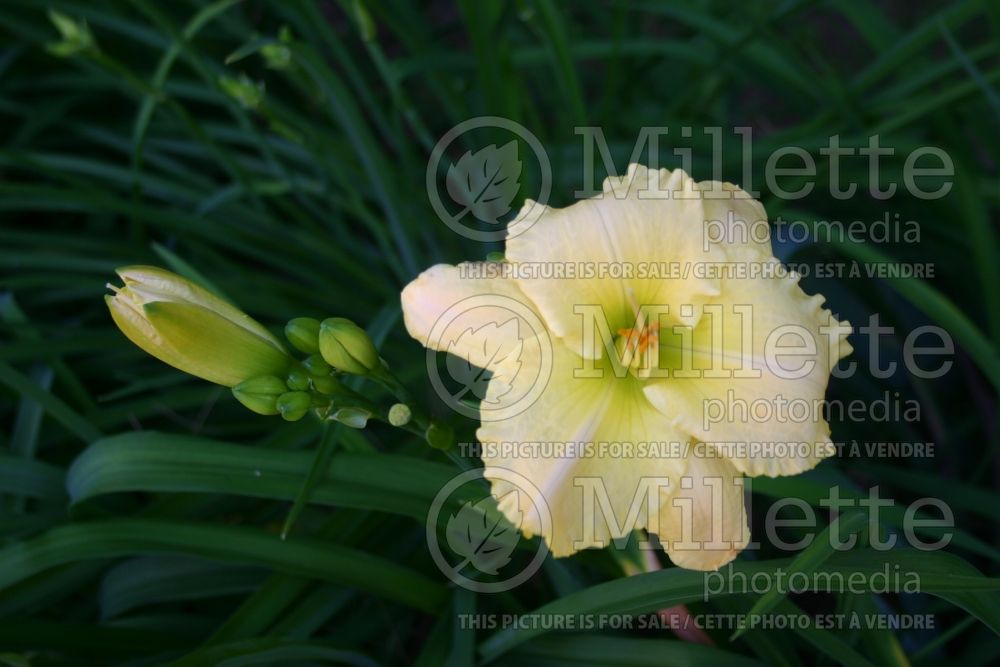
x: 276, y: 152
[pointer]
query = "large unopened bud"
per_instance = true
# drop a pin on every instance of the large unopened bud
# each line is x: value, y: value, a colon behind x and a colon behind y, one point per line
x: 191, y: 329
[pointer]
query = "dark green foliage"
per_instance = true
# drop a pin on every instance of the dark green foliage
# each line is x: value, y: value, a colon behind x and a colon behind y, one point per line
x: 275, y: 151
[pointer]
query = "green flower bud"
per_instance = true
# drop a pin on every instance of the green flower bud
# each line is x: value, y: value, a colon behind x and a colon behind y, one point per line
x: 276, y: 56
x: 260, y: 394
x: 353, y: 417
x: 298, y: 379
x: 440, y: 436
x: 345, y: 346
x: 243, y: 90
x: 191, y: 329
x: 294, y: 405
x: 399, y: 414
x: 316, y: 366
x: 303, y: 334
x: 328, y: 385
x: 76, y: 36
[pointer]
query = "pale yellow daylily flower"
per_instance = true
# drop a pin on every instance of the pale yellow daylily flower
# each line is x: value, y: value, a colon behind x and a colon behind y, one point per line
x: 681, y: 341
x: 193, y: 330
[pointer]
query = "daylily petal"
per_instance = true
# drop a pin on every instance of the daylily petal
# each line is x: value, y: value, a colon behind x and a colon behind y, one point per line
x: 721, y: 409
x: 704, y: 522
x: 644, y: 219
x: 735, y: 220
x: 480, y: 319
x: 590, y: 418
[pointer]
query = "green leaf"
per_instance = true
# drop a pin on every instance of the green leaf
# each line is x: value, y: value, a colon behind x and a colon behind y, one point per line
x: 938, y: 307
x: 317, y: 471
x: 939, y: 573
x: 83, y: 639
x: 826, y: 642
x: 259, y: 610
x: 142, y: 120
x: 232, y: 544
x: 157, y: 579
x: 821, y: 548
x: 52, y: 404
x: 607, y: 651
x: 151, y: 461
x: 34, y: 479
x: 272, y: 651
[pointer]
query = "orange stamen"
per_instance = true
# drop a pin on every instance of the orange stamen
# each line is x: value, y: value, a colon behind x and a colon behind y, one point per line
x: 641, y: 338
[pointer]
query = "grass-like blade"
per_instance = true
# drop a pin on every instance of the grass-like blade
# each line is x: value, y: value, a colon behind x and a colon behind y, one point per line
x: 233, y: 544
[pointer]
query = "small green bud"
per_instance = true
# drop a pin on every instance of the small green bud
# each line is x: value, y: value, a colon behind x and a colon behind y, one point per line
x: 76, y: 36
x: 400, y: 414
x: 260, y: 394
x: 353, y: 417
x: 294, y: 405
x: 440, y: 436
x: 328, y: 385
x: 303, y: 334
x: 276, y: 56
x: 345, y: 346
x: 243, y: 90
x: 298, y: 379
x: 316, y: 366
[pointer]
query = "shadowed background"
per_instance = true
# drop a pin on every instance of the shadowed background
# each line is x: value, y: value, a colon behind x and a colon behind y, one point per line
x: 276, y: 152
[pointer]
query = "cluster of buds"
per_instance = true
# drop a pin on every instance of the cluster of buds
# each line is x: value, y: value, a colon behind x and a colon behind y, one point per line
x: 190, y: 328
x: 334, y: 346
